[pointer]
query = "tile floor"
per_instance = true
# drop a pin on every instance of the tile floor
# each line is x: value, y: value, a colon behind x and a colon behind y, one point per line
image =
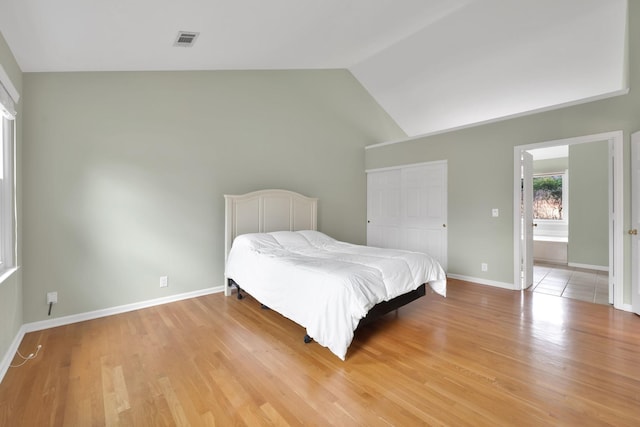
x: 569, y: 282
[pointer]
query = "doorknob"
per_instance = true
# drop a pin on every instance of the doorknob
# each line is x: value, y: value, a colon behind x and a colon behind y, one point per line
x: 633, y: 232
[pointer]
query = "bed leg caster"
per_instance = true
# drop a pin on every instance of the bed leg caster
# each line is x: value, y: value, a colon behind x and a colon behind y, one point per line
x: 231, y: 283
x: 307, y: 339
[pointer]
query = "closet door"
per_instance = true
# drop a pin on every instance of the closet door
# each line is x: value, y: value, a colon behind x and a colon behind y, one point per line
x: 407, y: 209
x: 384, y: 220
x: 424, y: 205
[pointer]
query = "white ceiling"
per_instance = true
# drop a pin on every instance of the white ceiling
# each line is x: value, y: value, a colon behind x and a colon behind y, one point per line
x: 555, y: 152
x: 500, y: 58
x: 431, y: 64
x: 90, y: 35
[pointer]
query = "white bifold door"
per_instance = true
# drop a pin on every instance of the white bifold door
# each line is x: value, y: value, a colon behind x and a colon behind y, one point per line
x: 407, y: 209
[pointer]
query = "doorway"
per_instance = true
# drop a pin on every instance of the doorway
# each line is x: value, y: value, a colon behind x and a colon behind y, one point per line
x: 562, y: 280
x: 524, y: 225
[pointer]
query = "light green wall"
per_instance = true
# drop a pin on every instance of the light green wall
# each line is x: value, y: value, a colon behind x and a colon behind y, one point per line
x: 11, y: 313
x: 480, y: 161
x: 127, y: 172
x: 588, y: 204
x: 551, y: 165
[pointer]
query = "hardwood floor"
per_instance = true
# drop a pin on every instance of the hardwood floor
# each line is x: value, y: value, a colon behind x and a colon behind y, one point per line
x: 482, y: 356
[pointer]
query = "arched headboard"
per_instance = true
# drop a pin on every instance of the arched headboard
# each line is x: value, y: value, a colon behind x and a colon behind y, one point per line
x: 265, y: 211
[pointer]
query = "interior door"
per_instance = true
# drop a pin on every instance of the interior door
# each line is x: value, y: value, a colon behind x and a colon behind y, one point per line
x: 425, y: 210
x: 384, y: 219
x: 407, y: 209
x: 527, y: 220
x: 635, y: 222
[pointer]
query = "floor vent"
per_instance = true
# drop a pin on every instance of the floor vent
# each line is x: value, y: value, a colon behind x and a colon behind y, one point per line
x: 186, y: 38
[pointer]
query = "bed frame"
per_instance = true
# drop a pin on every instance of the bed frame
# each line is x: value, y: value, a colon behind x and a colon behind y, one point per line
x: 282, y: 210
x: 265, y: 211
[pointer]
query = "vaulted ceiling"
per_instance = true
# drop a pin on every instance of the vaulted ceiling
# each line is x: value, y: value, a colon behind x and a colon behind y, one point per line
x: 431, y: 64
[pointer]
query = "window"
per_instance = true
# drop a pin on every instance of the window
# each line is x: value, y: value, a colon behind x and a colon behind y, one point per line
x: 7, y: 191
x: 7, y: 205
x: 548, y: 197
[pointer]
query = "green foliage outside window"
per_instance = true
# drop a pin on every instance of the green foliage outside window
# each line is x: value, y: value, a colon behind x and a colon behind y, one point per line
x: 547, y: 197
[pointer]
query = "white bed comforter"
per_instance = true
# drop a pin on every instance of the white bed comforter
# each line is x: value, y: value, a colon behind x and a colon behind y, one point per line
x: 323, y: 284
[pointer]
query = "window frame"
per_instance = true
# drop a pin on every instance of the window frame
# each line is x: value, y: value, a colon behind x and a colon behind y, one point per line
x: 555, y: 228
x: 565, y: 197
x: 7, y: 197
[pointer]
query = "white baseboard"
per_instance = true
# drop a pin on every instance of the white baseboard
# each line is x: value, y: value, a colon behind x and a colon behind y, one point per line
x: 11, y: 351
x: 589, y: 266
x: 486, y: 282
x: 626, y: 307
x: 503, y: 285
x: 81, y: 317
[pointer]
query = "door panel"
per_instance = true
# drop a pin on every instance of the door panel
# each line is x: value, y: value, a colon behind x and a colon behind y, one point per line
x: 383, y: 208
x: 426, y: 241
x: 406, y: 209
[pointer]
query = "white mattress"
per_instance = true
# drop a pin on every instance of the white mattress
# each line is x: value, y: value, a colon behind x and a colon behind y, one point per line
x: 323, y: 284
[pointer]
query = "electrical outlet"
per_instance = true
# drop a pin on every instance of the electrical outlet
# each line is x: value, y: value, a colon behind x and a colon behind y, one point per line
x: 52, y: 297
x: 164, y: 281
x: 484, y: 266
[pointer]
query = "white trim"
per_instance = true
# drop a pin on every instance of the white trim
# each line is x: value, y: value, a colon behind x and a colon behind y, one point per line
x: 634, y: 223
x: 5, y: 274
x: 90, y: 315
x: 553, y: 239
x: 508, y: 286
x: 479, y: 281
x: 616, y: 141
x: 410, y: 165
x: 555, y: 227
x: 605, y: 136
x: 588, y: 266
x: 8, y: 234
x: 67, y: 320
x: 499, y: 119
x: 616, y: 220
x: 11, y: 352
x: 8, y: 85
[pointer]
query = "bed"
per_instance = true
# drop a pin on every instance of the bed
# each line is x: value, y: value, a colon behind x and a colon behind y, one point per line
x: 274, y: 252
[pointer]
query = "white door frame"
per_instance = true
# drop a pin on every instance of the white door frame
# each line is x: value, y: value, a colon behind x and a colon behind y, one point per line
x: 526, y: 199
x: 635, y: 222
x: 616, y: 257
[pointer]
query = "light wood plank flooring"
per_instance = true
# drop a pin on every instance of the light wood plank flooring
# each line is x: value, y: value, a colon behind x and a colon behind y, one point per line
x: 482, y: 356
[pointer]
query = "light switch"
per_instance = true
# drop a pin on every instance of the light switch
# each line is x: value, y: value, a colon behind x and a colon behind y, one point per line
x: 495, y: 213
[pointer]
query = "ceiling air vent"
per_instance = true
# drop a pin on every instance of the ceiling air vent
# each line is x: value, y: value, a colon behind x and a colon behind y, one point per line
x: 186, y: 38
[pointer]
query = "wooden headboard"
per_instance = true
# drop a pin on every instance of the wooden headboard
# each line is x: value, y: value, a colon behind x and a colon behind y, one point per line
x: 265, y: 211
